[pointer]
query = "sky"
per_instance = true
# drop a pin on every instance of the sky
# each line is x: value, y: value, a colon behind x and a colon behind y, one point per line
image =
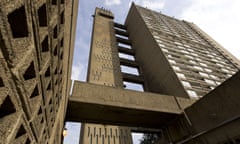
x: 218, y: 18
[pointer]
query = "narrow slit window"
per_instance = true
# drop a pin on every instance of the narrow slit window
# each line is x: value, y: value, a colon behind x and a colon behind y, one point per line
x: 62, y: 18
x: 18, y: 23
x: 55, y: 32
x: 42, y: 16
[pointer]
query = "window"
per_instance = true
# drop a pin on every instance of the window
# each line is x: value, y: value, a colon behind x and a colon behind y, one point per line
x: 214, y: 77
x: 203, y: 64
x: 176, y: 68
x: 186, y: 84
x: 172, y: 61
x: 203, y: 74
x: 164, y: 50
x: 192, y: 94
x: 198, y: 68
x: 177, y: 43
x: 45, y: 46
x: 1, y: 82
x: 7, y: 107
x: 225, y: 70
x: 126, y: 56
x: 42, y: 16
x: 18, y: 23
x: 180, y: 75
x: 208, y: 70
x: 193, y: 62
x: 209, y: 81
x: 30, y: 72
x: 161, y: 45
x: 55, y: 32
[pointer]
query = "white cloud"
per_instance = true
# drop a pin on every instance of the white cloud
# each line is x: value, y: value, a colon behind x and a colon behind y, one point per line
x: 220, y: 19
x: 77, y: 71
x: 112, y: 2
x: 151, y: 4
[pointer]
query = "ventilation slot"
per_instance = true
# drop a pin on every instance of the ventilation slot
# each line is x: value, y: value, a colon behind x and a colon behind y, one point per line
x: 47, y: 73
x: 62, y: 43
x: 30, y: 72
x: 55, y: 32
x: 42, y: 16
x: 62, y: 18
x: 1, y: 82
x: 20, y: 132
x: 7, y: 107
x: 35, y: 92
x: 45, y: 46
x: 55, y: 51
x: 18, y: 23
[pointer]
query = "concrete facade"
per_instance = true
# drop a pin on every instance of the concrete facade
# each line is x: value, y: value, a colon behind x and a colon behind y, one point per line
x: 36, y: 45
x: 104, y: 69
x: 174, y: 59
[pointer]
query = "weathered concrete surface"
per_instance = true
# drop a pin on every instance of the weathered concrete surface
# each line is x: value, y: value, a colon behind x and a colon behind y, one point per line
x: 96, y: 103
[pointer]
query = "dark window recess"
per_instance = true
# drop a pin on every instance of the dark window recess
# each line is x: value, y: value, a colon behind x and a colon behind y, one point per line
x: 18, y: 23
x: 30, y: 72
x: 47, y: 73
x: 55, y: 51
x: 45, y: 46
x: 1, y: 82
x: 7, y: 107
x: 35, y: 92
x: 42, y: 16
x: 54, y: 2
x: 62, y: 17
x: 50, y: 102
x: 55, y: 32
x: 49, y: 86
x: 27, y: 141
x: 62, y: 41
x: 61, y: 57
x: 62, y: 1
x: 21, y: 131
x: 40, y: 111
x: 56, y: 71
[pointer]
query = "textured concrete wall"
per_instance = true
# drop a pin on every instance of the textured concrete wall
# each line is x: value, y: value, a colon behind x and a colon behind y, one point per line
x: 34, y: 75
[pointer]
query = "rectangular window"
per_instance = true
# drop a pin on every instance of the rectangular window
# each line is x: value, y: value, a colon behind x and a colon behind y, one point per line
x: 209, y: 81
x: 180, y: 75
x: 186, y: 84
x: 192, y: 94
x: 176, y: 68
